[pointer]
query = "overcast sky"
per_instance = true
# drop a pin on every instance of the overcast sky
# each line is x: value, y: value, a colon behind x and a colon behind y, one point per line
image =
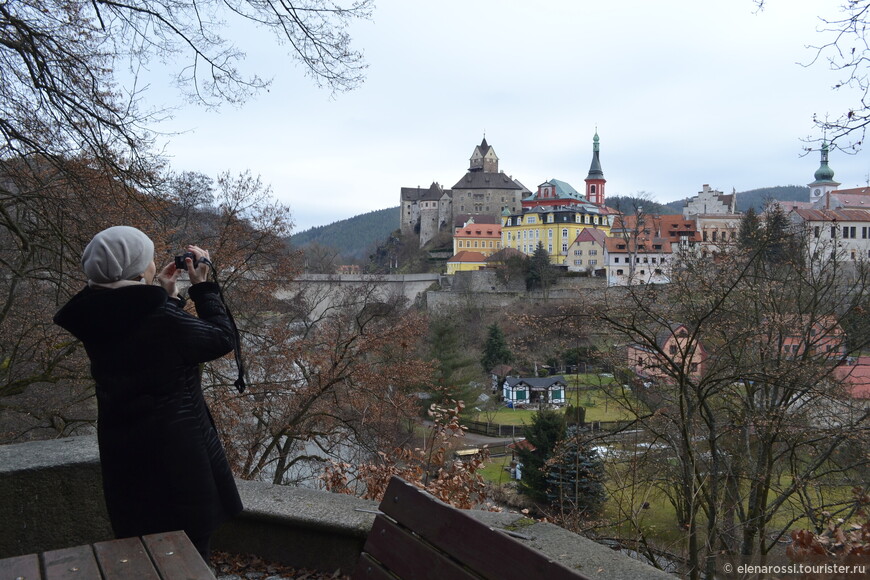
x: 682, y: 92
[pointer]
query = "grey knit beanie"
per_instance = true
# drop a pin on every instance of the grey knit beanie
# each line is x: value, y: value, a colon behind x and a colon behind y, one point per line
x: 117, y: 253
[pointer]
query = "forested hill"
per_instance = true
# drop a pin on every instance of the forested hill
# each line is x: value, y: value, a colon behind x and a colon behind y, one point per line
x: 352, y: 237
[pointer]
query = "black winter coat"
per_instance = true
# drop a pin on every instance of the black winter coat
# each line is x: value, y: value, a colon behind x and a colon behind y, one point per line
x: 163, y: 465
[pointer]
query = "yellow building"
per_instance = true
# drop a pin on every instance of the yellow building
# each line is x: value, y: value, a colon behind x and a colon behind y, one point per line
x: 466, y: 261
x: 555, y: 228
x: 483, y: 238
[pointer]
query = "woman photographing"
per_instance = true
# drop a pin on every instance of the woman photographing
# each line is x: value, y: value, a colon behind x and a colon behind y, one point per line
x: 163, y: 465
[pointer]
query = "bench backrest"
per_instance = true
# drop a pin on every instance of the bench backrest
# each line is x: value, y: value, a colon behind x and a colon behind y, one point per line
x: 420, y: 537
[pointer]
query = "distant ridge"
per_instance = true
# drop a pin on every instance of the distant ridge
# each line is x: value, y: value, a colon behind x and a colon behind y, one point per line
x: 354, y: 237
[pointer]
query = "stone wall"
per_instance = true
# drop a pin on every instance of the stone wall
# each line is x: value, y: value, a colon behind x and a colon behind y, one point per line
x: 51, y: 497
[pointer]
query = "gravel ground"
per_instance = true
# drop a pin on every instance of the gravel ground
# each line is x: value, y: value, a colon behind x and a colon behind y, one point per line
x: 249, y: 567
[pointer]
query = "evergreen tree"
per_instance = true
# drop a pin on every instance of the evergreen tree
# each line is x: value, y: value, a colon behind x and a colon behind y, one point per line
x: 495, y: 349
x: 575, y: 476
x: 545, y: 432
x: 749, y: 233
x: 778, y: 244
x: 541, y: 273
x: 455, y: 370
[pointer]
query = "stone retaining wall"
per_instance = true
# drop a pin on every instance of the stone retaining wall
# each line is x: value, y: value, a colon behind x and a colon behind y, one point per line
x: 51, y: 497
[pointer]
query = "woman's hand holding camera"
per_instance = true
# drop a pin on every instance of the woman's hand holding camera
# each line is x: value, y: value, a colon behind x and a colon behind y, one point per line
x: 198, y: 273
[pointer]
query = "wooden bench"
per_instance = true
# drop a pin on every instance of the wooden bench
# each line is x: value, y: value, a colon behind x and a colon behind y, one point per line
x: 417, y: 537
x: 166, y: 556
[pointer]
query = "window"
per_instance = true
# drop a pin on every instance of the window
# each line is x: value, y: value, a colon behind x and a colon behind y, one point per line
x: 693, y: 368
x: 564, y: 247
x: 578, y: 262
x: 672, y: 349
x: 833, y: 232
x: 593, y: 252
x: 521, y: 395
x: 579, y: 252
x: 460, y: 243
x: 658, y: 272
x: 619, y: 272
x: 549, y: 248
x: 816, y: 231
x: 565, y: 233
x: 616, y: 260
x: 593, y: 262
x: 531, y: 219
x: 863, y: 233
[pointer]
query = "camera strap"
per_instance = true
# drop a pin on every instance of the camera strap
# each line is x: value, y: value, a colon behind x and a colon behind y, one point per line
x: 237, y: 352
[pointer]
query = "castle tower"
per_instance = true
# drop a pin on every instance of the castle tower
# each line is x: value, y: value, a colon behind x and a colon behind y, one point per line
x: 824, y: 178
x: 595, y: 180
x: 483, y: 159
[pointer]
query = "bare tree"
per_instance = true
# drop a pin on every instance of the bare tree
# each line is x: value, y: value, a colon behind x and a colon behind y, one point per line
x: 761, y: 417
x: 845, y: 49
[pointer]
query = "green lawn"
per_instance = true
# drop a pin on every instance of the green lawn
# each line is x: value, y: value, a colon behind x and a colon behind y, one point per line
x: 599, y: 407
x: 494, y: 471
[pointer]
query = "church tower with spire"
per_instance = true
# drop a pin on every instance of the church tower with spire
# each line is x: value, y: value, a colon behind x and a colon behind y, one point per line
x: 824, y: 178
x: 595, y: 180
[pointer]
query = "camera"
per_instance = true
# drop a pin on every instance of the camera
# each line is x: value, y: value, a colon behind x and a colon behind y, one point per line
x: 180, y: 263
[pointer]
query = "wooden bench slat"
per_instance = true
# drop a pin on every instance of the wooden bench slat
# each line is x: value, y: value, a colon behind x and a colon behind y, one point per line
x: 407, y: 556
x: 76, y: 563
x: 176, y: 557
x: 368, y: 568
x: 125, y: 558
x: 26, y: 567
x: 487, y: 552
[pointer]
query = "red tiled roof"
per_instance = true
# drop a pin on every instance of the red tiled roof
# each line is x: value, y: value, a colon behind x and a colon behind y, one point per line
x: 591, y: 235
x: 467, y: 256
x: 856, y: 377
x: 479, y: 231
x: 828, y: 215
x: 646, y: 245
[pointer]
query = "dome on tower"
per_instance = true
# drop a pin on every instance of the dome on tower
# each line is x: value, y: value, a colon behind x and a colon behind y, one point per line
x: 824, y: 172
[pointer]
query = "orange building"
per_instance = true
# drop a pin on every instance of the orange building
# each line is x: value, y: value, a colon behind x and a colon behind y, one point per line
x: 483, y: 238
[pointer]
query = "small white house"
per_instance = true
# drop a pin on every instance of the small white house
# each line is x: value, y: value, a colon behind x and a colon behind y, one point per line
x: 534, y: 391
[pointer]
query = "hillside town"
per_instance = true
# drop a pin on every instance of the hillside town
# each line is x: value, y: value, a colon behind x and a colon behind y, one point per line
x: 492, y: 215
x: 506, y: 380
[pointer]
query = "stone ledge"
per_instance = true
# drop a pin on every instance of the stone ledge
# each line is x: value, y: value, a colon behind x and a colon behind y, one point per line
x: 51, y: 497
